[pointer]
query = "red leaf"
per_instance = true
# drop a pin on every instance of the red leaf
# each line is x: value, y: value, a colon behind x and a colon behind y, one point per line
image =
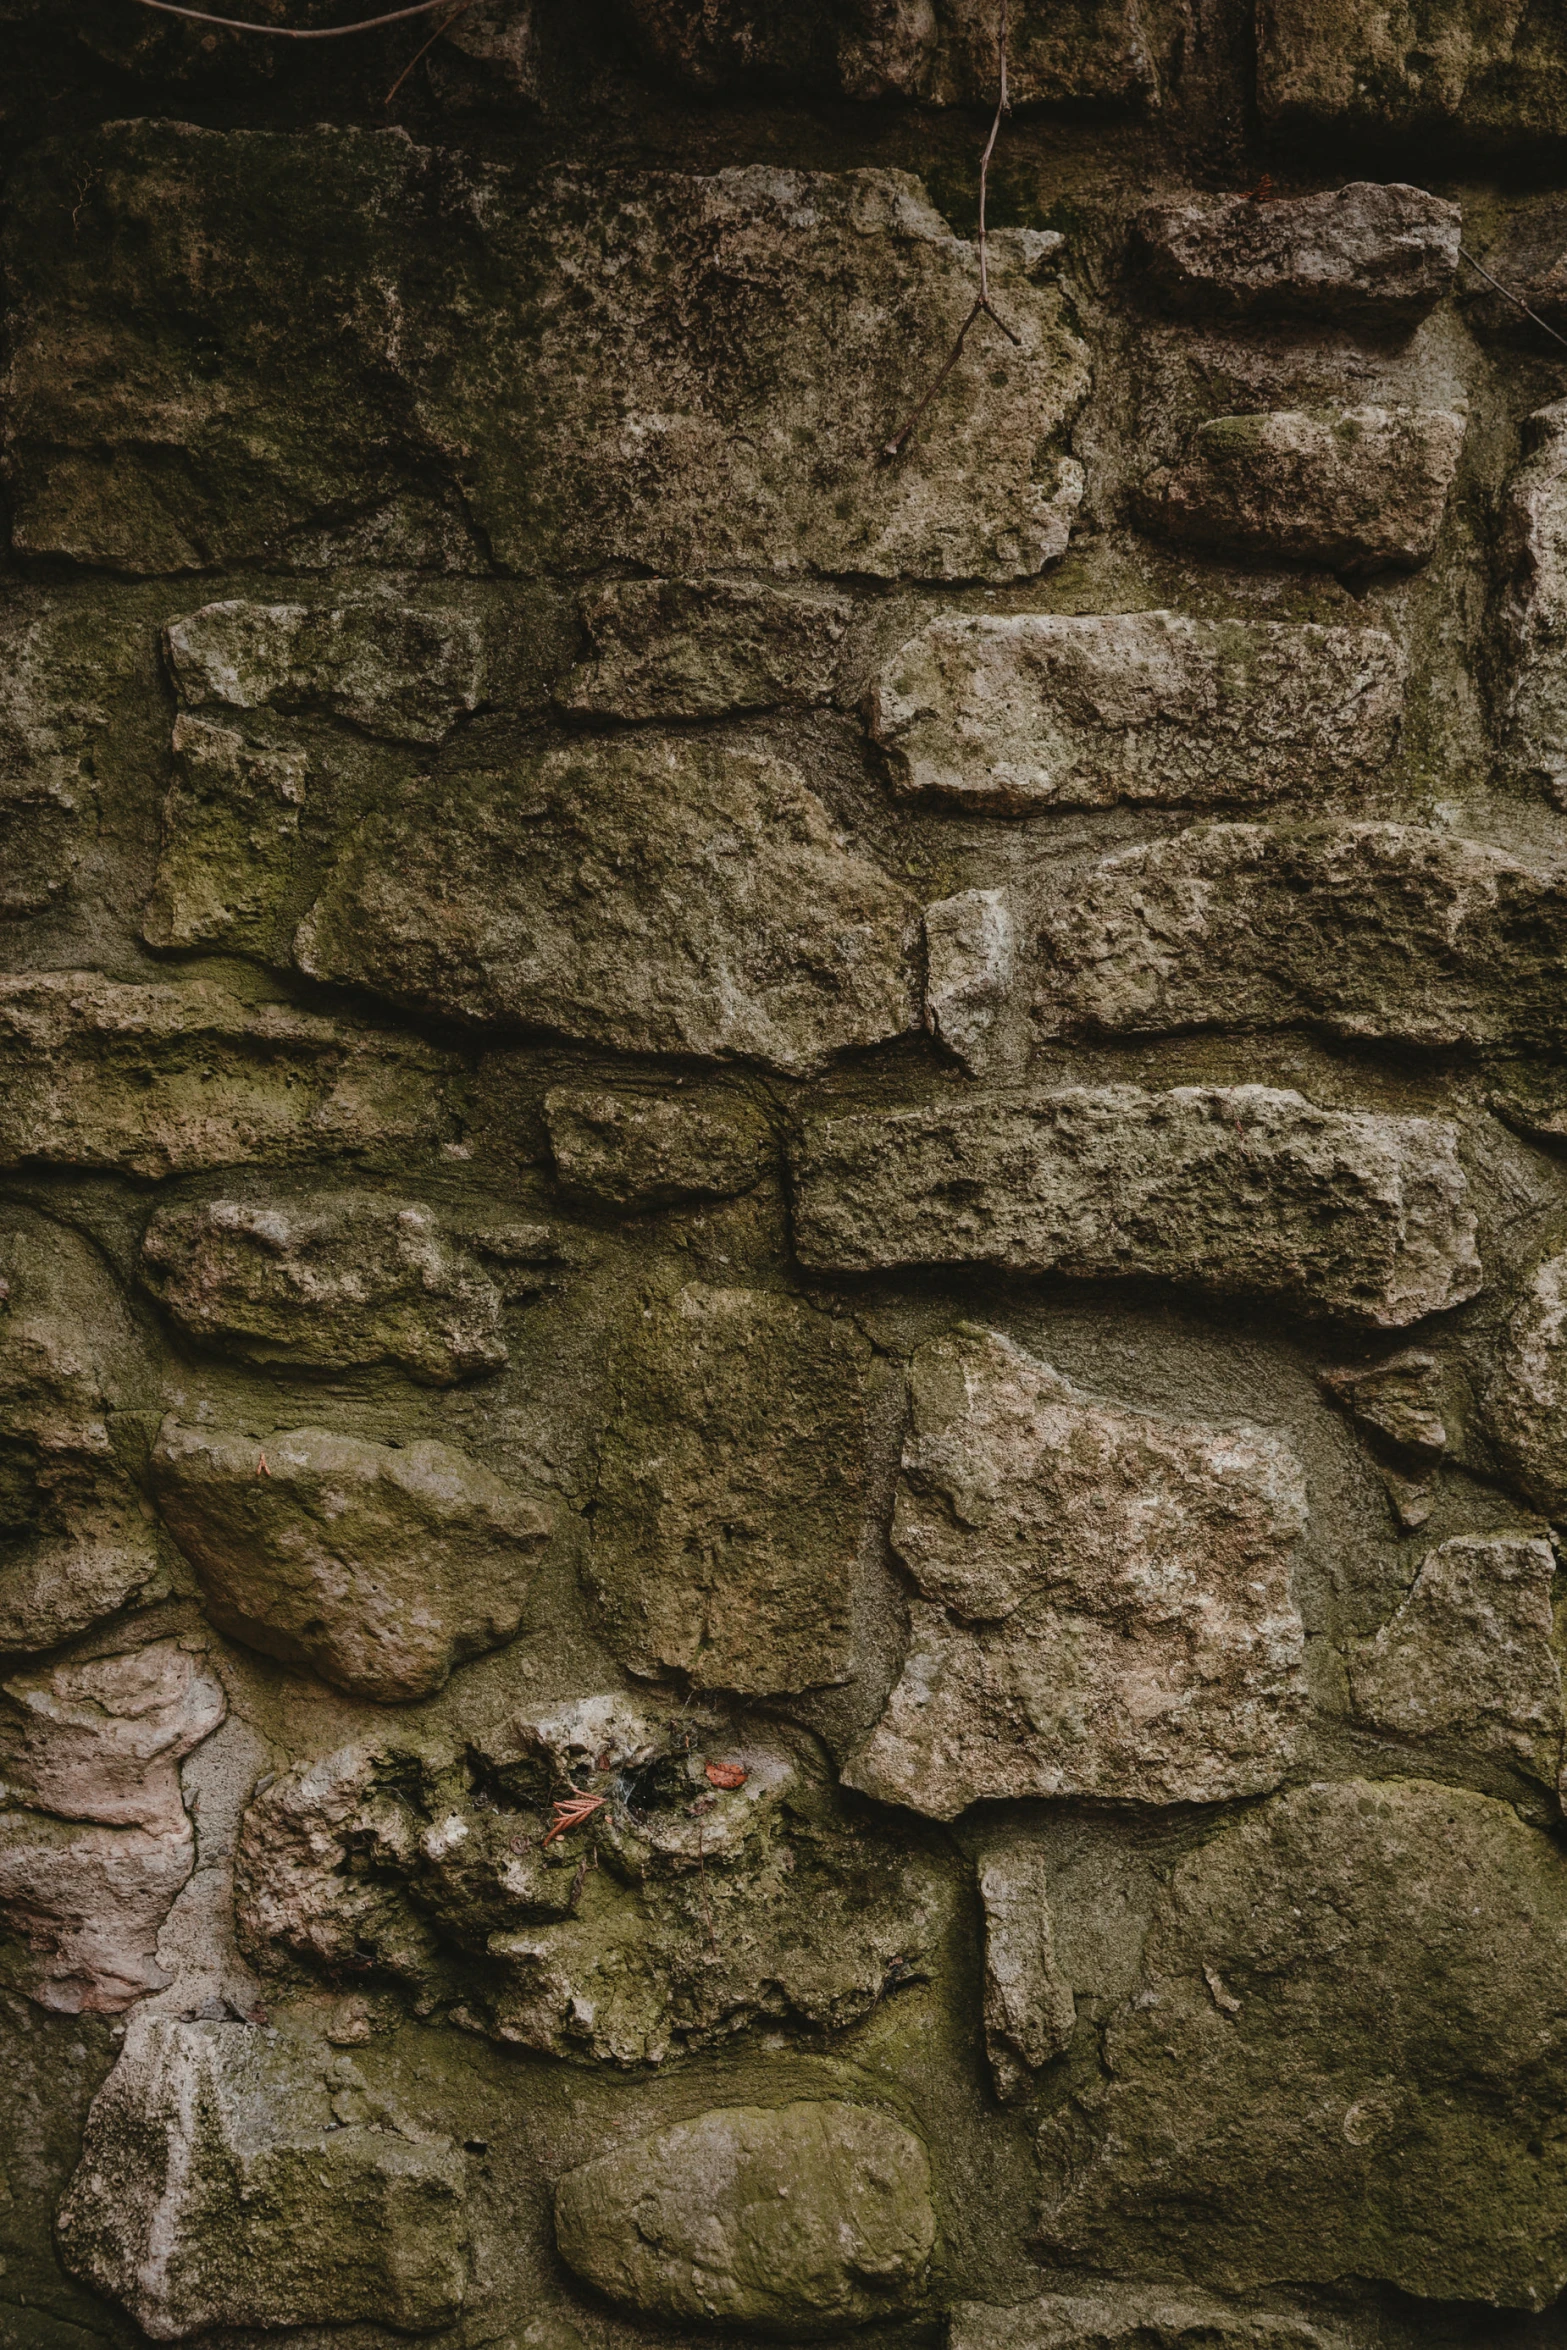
x: 726, y: 1775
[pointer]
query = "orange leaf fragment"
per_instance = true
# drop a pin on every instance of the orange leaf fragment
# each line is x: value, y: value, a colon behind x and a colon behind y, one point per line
x: 726, y: 1775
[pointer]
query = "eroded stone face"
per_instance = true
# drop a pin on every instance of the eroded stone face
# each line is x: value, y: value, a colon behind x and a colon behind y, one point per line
x: 1174, y: 2317
x: 695, y: 648
x: 1381, y: 2098
x: 1105, y: 1605
x: 378, y: 1567
x: 1237, y: 1190
x: 1525, y: 1398
x: 1442, y: 66
x: 1366, y: 254
x: 397, y: 670
x: 783, y: 2219
x: 326, y: 1283
x: 1038, y: 709
x: 230, y: 827
x: 1030, y: 2013
x: 1533, y: 566
x: 970, y: 961
x: 644, y: 1151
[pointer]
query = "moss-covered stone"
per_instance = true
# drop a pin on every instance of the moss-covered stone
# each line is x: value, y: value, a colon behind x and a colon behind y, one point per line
x: 404, y: 671
x: 230, y: 828
x: 1453, y: 68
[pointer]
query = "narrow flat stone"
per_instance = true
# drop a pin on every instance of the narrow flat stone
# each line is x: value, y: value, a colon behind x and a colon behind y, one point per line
x: 695, y: 648
x: 1532, y: 562
x: 1524, y: 1401
x: 1367, y: 255
x: 1036, y: 709
x: 1030, y: 2013
x: 640, y: 1151
x: 396, y: 670
x: 1238, y: 1191
x: 1173, y: 2316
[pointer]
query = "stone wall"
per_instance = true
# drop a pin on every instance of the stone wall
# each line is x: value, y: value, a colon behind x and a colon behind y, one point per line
x: 783, y: 1231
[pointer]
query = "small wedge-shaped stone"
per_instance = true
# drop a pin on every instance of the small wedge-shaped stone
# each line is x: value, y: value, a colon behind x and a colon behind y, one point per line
x: 1355, y: 489
x: 1524, y: 1403
x: 327, y: 1283
x: 791, y: 2219
x: 1366, y: 930
x: 1240, y: 1191
x: 1366, y: 254
x: 393, y: 669
x: 1037, y: 709
x: 216, y: 2189
x: 1030, y: 2013
x: 650, y: 1151
x: 1106, y: 1605
x: 378, y: 1567
x: 1140, y: 2316
x: 163, y: 1079
x: 629, y: 892
x: 1397, y: 1400
x: 230, y: 826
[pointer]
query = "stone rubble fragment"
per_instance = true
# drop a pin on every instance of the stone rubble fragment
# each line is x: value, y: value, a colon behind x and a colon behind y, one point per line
x: 217, y: 2188
x: 1355, y: 489
x: 328, y: 1282
x: 1017, y: 711
x: 1030, y: 2013
x: 1532, y: 565
x: 94, y: 1839
x: 378, y: 1567
x: 970, y: 960
x: 1170, y: 2316
x: 1429, y: 70
x: 230, y: 827
x: 640, y: 1151
x: 1398, y: 1400
x: 1523, y: 1405
x: 395, y: 670
x: 1364, y: 255
x: 1238, y: 1191
x: 731, y: 1490
x: 696, y: 648
x: 784, y: 2219
x: 1105, y: 1605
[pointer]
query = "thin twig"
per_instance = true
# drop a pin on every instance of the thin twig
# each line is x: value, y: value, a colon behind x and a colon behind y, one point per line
x: 286, y: 32
x: 983, y: 306
x: 444, y: 26
x: 1513, y: 298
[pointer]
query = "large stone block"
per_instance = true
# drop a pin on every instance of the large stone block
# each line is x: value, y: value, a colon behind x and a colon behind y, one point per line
x: 629, y: 892
x: 1105, y: 1605
x: 1343, y: 2055
x: 217, y: 2188
x: 1356, y: 489
x: 407, y: 672
x: 731, y: 1490
x: 1488, y: 75
x: 378, y: 1567
x: 786, y: 2219
x: 1366, y: 255
x: 1240, y: 1191
x: 1036, y: 709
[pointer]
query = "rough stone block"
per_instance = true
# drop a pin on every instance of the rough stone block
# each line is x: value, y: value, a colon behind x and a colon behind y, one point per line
x: 216, y: 2188
x: 694, y: 648
x: 230, y: 825
x: 377, y: 1567
x: 731, y: 1488
x: 1356, y: 489
x: 1364, y: 255
x: 1463, y: 68
x: 1240, y: 1191
x: 397, y: 670
x: 1398, y: 1400
x: 783, y: 2219
x: 1030, y: 2013
x: 1343, y: 2056
x: 1140, y: 2317
x: 627, y: 892
x: 1036, y: 709
x: 642, y: 1151
x: 46, y: 733
x: 1524, y: 1400
x: 1532, y: 564
x: 970, y: 959
x: 1106, y: 1606
x: 1527, y: 255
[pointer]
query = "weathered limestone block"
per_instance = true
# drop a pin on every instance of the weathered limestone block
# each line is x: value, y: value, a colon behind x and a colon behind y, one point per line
x: 230, y: 825
x: 1378, y: 2092
x: 159, y: 1080
x: 1470, y: 1655
x: 1026, y: 710
x: 45, y: 775
x: 217, y: 2188
x: 1106, y: 1606
x: 1357, y: 489
x: 629, y: 892
x: 1489, y: 74
x: 731, y: 1490
x: 1366, y: 930
x: 1236, y: 1190
x: 378, y: 1567
x: 1030, y: 2013
x: 1140, y: 2316
x: 328, y: 1282
x: 786, y: 2219
x: 1365, y: 255
x: 1523, y: 1406
x: 1397, y: 1400
x: 396, y: 670
x: 650, y: 1151
x: 1532, y: 564
x: 76, y: 1539
x: 970, y: 960
x: 694, y: 648
x: 94, y: 1839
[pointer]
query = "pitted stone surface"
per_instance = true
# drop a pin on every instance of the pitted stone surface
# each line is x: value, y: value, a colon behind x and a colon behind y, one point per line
x: 694, y: 648
x: 1430, y: 67
x: 1037, y: 709
x: 398, y: 670
x: 1369, y: 254
x: 1238, y: 1190
x: 1524, y: 1403
x: 784, y: 2219
x: 643, y: 1151
x: 46, y: 738
x: 627, y: 892
x: 970, y: 961
x: 1533, y: 566
x: 1030, y: 2013
x: 1356, y: 489
x: 1140, y: 2316
x: 326, y: 1282
x: 1105, y: 1605
x: 230, y: 826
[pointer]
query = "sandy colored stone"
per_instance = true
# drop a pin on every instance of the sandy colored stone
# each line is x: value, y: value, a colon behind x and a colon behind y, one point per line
x: 1029, y: 2011
x: 1399, y: 1400
x: 1234, y: 1190
x: 1356, y: 489
x: 643, y: 1151
x: 1105, y: 1606
x: 216, y: 2188
x: 1143, y: 2317
x: 782, y: 2219
x: 695, y: 648
x: 230, y: 829
x: 731, y: 1487
x: 1365, y: 930
x: 1532, y: 565
x: 1381, y: 2098
x: 1491, y: 75
x: 178, y: 1075
x: 326, y: 1282
x: 1027, y: 710
x: 1367, y: 254
x: 398, y: 670
x: 379, y: 1567
x: 970, y: 961
x: 1523, y: 1405
x: 630, y: 891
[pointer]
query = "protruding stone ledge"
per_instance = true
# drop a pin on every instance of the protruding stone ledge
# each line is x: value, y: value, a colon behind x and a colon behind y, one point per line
x: 1364, y: 255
